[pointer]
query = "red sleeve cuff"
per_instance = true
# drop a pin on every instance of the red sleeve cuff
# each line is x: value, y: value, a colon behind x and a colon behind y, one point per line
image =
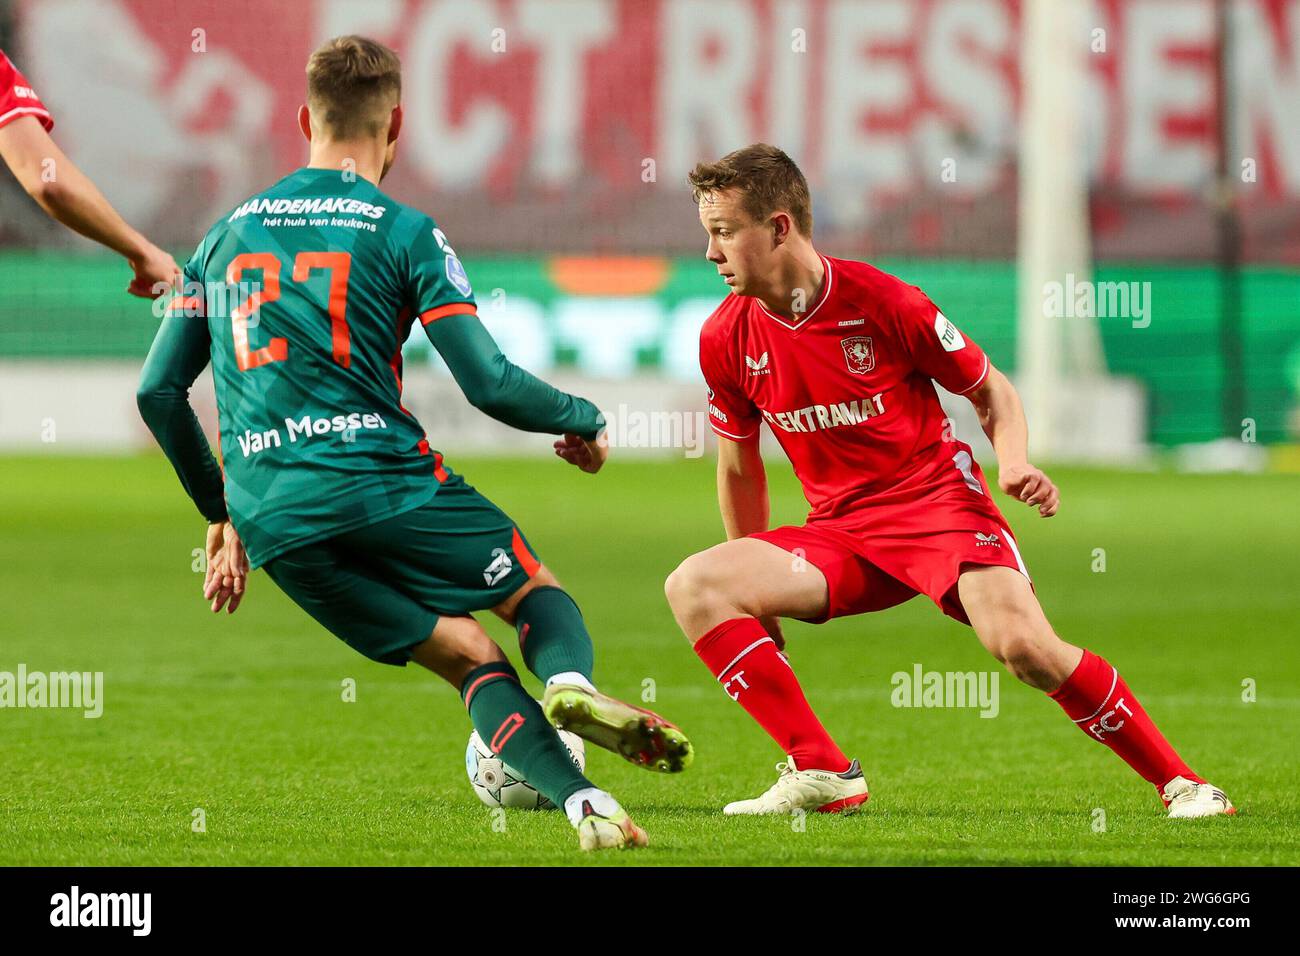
x: 983, y: 375
x: 726, y: 434
x: 18, y: 112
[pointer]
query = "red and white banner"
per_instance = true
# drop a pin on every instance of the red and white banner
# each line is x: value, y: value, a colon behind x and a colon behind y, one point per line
x: 571, y: 123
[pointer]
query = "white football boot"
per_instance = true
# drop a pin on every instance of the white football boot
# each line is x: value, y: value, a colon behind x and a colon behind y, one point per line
x: 1186, y: 799
x: 601, y: 823
x: 822, y: 791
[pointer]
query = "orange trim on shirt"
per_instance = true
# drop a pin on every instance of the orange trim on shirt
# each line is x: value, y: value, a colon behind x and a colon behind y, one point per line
x: 454, y: 308
x: 189, y: 303
x: 526, y: 561
x: 396, y: 365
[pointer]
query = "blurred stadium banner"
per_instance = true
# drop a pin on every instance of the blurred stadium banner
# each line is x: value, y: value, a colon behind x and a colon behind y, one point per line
x: 537, y: 122
x: 551, y: 139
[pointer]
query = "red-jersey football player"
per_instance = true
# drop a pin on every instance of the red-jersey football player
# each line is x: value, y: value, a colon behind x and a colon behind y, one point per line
x: 64, y: 191
x: 840, y: 360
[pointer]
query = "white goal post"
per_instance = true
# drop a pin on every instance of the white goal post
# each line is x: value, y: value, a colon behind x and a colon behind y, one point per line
x: 1052, y: 229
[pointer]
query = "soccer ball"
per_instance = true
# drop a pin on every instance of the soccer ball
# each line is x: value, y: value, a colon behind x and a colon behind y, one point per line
x: 500, y: 785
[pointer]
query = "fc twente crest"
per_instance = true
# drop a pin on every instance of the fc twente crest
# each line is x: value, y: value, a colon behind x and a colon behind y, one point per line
x: 859, y: 354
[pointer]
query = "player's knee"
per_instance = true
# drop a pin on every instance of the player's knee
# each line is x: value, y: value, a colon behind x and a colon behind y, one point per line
x: 456, y: 646
x: 677, y: 586
x: 1026, y: 652
x: 690, y: 584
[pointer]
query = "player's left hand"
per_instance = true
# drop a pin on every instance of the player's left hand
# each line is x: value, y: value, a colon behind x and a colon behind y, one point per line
x: 586, y: 455
x: 773, y: 627
x: 227, y: 576
x: 154, y: 270
x: 1031, y: 486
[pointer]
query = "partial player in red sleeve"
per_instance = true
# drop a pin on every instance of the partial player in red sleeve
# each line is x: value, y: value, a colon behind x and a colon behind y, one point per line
x: 841, y: 360
x: 64, y: 191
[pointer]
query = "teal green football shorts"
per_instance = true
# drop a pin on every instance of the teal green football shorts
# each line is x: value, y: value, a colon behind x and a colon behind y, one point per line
x: 382, y: 588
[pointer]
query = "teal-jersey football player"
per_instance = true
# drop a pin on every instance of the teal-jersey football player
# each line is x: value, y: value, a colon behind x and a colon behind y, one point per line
x: 301, y: 299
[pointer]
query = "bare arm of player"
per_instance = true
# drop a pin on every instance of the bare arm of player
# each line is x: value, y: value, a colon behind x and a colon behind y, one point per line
x: 68, y: 196
x: 743, y: 501
x: 742, y: 487
x: 1002, y: 416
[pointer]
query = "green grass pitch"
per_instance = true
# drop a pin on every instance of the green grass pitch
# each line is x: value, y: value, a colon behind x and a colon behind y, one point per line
x: 243, y: 716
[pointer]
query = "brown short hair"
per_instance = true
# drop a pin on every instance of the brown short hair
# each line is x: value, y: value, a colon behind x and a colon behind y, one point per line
x: 768, y: 181
x: 353, y: 83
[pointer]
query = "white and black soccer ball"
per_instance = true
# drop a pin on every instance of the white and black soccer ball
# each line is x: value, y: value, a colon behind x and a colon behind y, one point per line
x: 500, y: 785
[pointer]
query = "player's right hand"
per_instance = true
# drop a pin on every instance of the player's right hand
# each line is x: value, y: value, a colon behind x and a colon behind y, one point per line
x: 227, y: 575
x: 586, y: 455
x: 154, y: 270
x: 1032, y: 486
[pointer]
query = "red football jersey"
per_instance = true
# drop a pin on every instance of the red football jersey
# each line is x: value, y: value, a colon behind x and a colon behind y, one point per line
x: 847, y: 388
x: 17, y: 98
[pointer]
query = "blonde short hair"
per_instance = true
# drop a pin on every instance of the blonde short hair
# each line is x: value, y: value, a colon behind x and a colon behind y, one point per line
x: 353, y: 83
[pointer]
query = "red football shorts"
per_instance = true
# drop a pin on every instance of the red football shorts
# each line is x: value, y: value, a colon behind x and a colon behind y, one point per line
x: 884, y: 554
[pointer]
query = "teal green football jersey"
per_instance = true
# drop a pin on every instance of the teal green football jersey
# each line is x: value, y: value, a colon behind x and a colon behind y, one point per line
x: 322, y: 280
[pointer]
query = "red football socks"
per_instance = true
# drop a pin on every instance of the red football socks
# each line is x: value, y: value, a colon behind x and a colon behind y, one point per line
x: 746, y: 662
x: 1098, y: 700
